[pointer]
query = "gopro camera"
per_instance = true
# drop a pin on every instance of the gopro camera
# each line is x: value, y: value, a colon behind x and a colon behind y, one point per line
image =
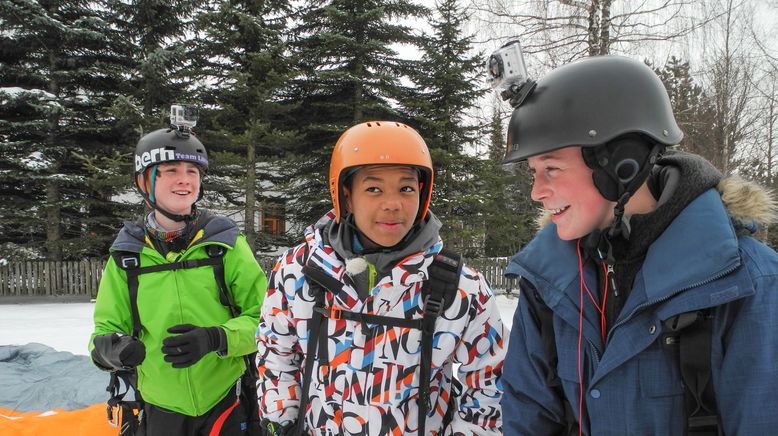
x: 508, y: 73
x: 506, y: 66
x: 183, y: 116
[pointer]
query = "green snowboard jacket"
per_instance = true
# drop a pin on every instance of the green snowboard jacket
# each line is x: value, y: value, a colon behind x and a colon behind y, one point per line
x: 185, y: 296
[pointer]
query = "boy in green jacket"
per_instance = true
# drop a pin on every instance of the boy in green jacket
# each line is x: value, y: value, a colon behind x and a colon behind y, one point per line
x: 188, y: 335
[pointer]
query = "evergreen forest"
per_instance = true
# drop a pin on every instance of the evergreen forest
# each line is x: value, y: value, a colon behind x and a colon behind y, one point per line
x: 276, y: 82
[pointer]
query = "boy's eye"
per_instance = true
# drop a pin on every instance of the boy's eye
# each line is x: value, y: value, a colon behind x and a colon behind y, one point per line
x: 373, y: 189
x: 408, y: 189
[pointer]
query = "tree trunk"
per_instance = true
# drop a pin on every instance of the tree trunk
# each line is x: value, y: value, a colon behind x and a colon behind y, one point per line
x: 53, y: 233
x: 358, y: 94
x: 251, y: 209
x: 53, y: 200
x: 594, y: 27
x: 605, y: 28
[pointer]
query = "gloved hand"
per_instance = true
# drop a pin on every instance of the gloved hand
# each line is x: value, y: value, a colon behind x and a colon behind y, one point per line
x: 192, y: 344
x: 115, y: 351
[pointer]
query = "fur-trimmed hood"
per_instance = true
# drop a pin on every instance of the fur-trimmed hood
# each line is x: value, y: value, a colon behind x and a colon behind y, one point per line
x: 748, y: 202
x: 750, y: 205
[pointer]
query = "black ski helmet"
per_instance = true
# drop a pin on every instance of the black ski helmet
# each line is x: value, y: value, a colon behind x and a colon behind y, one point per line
x: 166, y: 145
x: 610, y: 101
x: 588, y: 103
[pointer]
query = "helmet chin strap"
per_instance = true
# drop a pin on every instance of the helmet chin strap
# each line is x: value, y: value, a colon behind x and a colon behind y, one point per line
x: 608, y: 183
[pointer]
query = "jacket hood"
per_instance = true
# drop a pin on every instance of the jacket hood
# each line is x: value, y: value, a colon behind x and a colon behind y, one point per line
x: 211, y: 228
x: 749, y: 204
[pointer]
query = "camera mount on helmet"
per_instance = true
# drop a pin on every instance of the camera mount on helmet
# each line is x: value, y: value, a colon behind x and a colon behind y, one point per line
x: 508, y: 73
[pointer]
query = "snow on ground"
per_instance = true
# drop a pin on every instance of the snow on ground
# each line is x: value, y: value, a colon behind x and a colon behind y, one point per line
x: 67, y: 326
x: 62, y: 326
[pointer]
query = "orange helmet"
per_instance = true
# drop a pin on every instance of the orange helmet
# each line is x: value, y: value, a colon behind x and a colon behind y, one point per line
x: 380, y: 143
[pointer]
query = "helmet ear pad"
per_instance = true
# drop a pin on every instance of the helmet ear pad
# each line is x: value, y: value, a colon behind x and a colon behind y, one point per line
x: 620, y: 165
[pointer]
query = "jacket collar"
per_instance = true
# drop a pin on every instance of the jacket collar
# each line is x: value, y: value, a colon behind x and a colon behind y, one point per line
x: 213, y: 229
x: 388, y: 292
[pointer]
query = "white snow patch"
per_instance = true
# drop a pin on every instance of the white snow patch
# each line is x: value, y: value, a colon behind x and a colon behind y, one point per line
x: 14, y: 91
x: 67, y: 326
x: 37, y: 161
x: 62, y: 326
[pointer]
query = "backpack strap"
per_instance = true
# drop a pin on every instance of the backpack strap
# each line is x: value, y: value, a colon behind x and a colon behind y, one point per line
x: 442, y: 288
x: 689, y: 338
x: 217, y: 252
x: 127, y: 413
x: 246, y: 387
x: 313, y: 276
x: 130, y: 263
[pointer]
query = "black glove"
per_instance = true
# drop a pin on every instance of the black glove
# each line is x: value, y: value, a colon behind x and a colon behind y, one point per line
x: 195, y: 342
x: 115, y: 351
x: 269, y: 428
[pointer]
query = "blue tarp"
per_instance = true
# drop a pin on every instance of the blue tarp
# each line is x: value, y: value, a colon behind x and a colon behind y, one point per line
x: 35, y: 377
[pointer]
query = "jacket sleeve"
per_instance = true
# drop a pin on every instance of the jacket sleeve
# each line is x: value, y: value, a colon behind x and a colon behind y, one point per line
x: 480, y: 353
x: 531, y: 406
x: 247, y: 283
x: 745, y: 342
x: 112, y: 307
x: 279, y: 355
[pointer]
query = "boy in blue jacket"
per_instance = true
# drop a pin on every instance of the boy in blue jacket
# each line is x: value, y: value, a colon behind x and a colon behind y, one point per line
x: 646, y: 306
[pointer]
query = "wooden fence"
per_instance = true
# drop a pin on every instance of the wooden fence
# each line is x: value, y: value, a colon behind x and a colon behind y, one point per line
x: 81, y: 278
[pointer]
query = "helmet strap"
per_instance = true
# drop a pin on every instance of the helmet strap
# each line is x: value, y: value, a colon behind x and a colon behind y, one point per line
x: 619, y: 168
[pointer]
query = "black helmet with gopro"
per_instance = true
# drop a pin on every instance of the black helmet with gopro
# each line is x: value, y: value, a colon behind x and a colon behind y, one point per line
x: 615, y: 108
x: 174, y: 144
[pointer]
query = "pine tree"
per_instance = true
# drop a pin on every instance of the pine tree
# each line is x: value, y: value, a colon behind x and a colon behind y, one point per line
x: 61, y: 71
x: 348, y: 74
x: 691, y: 107
x: 156, y: 31
x: 511, y: 221
x: 240, y: 49
x: 447, y: 89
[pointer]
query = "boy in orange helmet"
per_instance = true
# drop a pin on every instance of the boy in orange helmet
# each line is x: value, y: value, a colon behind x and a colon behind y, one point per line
x: 372, y: 315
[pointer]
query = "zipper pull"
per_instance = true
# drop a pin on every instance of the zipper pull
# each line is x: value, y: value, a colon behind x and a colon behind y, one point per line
x: 612, y: 279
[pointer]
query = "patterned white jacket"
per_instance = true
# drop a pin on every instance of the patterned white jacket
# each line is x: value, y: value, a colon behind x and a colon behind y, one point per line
x: 370, y: 384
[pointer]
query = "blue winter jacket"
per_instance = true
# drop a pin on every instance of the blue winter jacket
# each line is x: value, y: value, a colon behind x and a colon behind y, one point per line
x: 633, y: 386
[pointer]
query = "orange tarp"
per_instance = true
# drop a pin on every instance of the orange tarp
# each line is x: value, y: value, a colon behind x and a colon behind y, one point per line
x: 91, y: 421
